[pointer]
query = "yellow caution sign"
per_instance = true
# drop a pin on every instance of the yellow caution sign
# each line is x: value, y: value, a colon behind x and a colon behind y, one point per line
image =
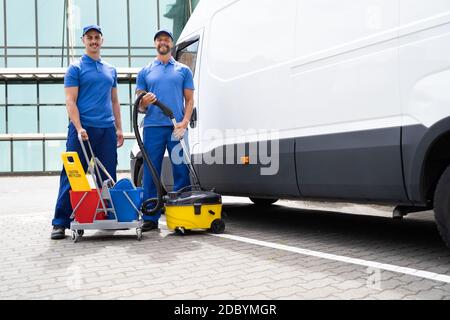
x: 74, y: 170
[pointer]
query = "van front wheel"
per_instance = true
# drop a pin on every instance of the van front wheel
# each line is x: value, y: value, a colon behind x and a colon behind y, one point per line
x: 442, y: 206
x: 263, y: 201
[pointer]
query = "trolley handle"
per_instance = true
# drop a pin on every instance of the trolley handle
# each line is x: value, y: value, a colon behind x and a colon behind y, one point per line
x: 83, y: 147
x: 93, y: 170
x: 98, y: 165
x: 88, y: 160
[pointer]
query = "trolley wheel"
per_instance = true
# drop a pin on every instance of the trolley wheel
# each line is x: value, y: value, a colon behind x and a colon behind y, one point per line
x: 180, y: 231
x: 139, y: 233
x: 75, y: 236
x: 80, y: 232
x: 218, y: 226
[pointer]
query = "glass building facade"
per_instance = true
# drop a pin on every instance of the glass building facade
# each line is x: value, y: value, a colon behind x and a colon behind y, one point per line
x: 43, y: 34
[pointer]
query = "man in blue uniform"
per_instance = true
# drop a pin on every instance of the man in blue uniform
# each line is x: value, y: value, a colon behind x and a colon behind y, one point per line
x: 170, y: 82
x: 94, y: 111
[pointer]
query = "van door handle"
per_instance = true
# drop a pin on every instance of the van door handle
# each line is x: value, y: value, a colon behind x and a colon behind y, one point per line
x: 193, y: 121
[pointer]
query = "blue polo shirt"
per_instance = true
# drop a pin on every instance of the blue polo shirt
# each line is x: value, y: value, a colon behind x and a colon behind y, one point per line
x: 167, y: 82
x: 94, y: 79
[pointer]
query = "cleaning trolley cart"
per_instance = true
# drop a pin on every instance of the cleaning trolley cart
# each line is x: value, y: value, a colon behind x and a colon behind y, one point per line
x: 110, y: 206
x: 189, y: 208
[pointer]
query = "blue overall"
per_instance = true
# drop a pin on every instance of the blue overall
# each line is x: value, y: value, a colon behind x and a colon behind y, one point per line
x: 95, y: 80
x: 168, y: 82
x: 156, y: 141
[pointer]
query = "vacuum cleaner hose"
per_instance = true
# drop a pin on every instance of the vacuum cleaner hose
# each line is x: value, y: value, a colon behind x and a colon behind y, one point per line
x: 153, y: 205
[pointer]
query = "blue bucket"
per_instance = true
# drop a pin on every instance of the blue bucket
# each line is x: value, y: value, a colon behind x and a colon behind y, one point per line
x: 124, y: 209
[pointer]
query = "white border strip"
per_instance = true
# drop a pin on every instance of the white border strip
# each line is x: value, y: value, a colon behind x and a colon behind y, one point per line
x: 361, y: 262
x: 371, y: 264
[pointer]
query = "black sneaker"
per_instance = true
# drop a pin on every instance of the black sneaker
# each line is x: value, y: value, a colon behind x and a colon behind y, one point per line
x: 58, y: 233
x: 149, y: 225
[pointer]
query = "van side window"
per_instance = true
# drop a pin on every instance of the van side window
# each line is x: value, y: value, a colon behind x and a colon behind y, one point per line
x: 187, y: 54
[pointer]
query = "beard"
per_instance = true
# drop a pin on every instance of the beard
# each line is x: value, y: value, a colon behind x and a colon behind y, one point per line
x: 163, y: 50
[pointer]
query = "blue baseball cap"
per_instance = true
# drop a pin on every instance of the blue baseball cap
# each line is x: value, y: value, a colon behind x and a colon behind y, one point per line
x: 92, y: 27
x: 163, y: 31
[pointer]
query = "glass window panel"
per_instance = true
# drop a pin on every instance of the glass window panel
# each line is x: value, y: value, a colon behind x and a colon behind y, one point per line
x: 113, y: 20
x: 124, y: 93
x: 123, y: 155
x: 117, y: 62
x: 22, y: 119
x: 51, y: 51
x: 126, y: 119
x: 50, y: 22
x: 27, y: 156
x: 2, y: 120
x: 22, y: 94
x: 2, y: 59
x: 2, y: 93
x: 79, y: 52
x: 194, y: 4
x: 173, y: 15
x: 2, y: 29
x: 140, y: 115
x: 29, y: 62
x: 188, y: 55
x: 46, y: 62
x: 140, y: 62
x: 20, y: 22
x: 53, y: 150
x: 140, y: 119
x: 113, y: 52
x: 84, y: 13
x: 143, y: 52
x: 143, y: 22
x: 21, y: 51
x: 52, y: 93
x: 5, y: 158
x: 53, y: 119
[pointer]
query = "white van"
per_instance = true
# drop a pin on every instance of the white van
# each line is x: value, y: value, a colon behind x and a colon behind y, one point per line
x: 354, y: 93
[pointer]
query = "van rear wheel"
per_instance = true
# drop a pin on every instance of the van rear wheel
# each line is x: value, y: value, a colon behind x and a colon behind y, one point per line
x: 263, y: 201
x: 442, y: 206
x: 140, y: 176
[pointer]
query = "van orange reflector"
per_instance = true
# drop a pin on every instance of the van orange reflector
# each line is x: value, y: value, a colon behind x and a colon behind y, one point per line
x: 245, y: 160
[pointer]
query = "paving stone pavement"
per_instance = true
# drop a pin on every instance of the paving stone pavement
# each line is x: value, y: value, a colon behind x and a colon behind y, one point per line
x: 114, y: 265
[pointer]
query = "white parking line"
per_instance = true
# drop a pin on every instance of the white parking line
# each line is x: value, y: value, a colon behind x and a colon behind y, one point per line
x: 366, y: 263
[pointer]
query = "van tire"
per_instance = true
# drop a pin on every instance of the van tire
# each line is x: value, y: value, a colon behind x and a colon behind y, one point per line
x: 140, y: 176
x: 442, y: 206
x: 263, y: 201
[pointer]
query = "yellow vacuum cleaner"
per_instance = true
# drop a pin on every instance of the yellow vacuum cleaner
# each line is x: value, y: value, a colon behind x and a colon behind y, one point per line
x: 190, y: 208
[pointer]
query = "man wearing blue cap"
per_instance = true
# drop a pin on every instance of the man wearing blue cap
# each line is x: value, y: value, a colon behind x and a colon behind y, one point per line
x: 170, y: 82
x: 94, y: 111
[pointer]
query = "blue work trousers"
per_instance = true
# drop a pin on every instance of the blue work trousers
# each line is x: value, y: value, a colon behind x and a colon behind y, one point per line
x: 156, y: 141
x: 104, y: 146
